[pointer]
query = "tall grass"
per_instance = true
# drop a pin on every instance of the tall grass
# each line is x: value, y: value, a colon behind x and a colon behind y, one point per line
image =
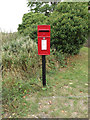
x: 22, y: 54
x: 6, y: 37
x: 21, y: 69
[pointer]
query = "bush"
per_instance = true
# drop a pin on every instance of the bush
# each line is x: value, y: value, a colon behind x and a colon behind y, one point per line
x: 69, y: 33
x: 69, y: 27
x: 29, y: 24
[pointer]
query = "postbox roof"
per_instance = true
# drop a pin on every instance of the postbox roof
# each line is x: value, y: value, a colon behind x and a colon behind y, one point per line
x: 43, y: 27
x: 43, y: 31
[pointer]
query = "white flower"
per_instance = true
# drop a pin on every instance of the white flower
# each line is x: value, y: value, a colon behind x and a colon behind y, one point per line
x: 86, y: 84
x: 70, y: 83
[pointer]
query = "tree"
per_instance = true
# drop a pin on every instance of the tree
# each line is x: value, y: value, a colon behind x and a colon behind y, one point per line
x: 42, y: 7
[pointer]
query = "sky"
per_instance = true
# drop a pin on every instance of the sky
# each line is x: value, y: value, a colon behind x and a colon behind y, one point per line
x: 11, y: 13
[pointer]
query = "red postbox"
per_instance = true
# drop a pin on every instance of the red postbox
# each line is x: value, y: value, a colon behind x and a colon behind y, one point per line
x: 43, y: 39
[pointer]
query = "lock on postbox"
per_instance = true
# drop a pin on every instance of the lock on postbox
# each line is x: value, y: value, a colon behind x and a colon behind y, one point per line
x: 43, y: 39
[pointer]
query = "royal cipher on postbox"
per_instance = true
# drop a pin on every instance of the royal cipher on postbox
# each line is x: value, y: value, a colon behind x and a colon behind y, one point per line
x: 43, y: 33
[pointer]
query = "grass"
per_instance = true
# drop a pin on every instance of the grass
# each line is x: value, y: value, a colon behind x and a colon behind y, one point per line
x: 65, y: 95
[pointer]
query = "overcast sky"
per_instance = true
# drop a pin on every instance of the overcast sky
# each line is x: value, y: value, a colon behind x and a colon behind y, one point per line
x: 11, y: 13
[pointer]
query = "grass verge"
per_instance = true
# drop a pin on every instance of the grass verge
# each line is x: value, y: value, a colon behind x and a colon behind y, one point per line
x: 65, y: 95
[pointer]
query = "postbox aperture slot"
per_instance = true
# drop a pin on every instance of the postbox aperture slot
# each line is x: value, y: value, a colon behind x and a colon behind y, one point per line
x: 43, y: 30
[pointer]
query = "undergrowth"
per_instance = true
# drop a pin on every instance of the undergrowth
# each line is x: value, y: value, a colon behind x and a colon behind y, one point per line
x: 22, y: 70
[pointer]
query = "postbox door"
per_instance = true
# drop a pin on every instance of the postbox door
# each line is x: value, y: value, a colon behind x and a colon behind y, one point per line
x: 44, y: 46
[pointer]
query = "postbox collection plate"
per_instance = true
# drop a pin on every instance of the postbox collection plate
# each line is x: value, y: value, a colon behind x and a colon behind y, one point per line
x: 43, y: 33
x: 44, y: 45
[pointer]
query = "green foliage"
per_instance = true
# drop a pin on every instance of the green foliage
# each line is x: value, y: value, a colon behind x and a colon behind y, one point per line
x: 77, y: 9
x: 35, y: 6
x: 6, y: 37
x: 42, y: 7
x: 69, y: 33
x: 22, y: 73
x: 22, y: 55
x: 14, y: 93
x: 61, y: 58
x: 89, y: 18
x: 69, y: 26
x: 23, y: 97
x: 29, y: 24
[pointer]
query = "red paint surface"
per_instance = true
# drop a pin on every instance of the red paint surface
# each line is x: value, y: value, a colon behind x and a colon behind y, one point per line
x: 45, y: 34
